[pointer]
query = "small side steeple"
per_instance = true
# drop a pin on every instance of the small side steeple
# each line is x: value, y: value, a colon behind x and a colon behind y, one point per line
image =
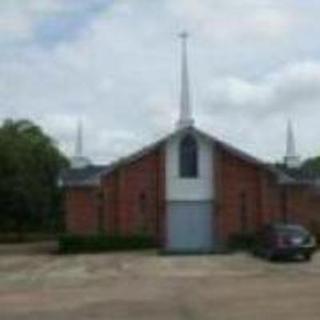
x: 79, y: 140
x: 78, y: 161
x: 185, y: 117
x: 291, y: 159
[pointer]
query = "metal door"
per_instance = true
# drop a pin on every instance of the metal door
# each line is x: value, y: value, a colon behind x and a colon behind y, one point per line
x: 190, y: 226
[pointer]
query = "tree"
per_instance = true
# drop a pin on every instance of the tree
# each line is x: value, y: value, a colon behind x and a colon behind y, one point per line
x: 312, y: 164
x: 30, y: 164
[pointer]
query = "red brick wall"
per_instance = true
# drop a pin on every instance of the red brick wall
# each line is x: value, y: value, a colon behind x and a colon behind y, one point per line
x: 81, y: 210
x: 123, y: 190
x: 263, y: 195
x: 303, y: 205
x: 110, y: 203
x: 267, y: 201
x: 235, y: 177
x: 116, y: 206
x: 314, y: 212
x: 275, y: 199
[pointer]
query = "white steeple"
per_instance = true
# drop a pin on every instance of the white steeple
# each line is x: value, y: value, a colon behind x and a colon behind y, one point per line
x: 78, y: 161
x: 291, y: 159
x: 79, y: 140
x: 185, y: 118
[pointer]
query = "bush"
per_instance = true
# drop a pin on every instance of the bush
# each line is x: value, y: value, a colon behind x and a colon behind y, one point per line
x: 242, y: 241
x: 26, y: 237
x: 102, y: 243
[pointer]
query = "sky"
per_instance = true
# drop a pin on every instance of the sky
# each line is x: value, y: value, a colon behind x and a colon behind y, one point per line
x: 115, y: 65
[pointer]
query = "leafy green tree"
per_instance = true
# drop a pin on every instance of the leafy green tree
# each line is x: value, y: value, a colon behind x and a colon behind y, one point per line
x: 312, y: 164
x: 30, y: 164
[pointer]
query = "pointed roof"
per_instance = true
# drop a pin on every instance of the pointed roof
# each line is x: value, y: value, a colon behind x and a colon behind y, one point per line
x: 79, y: 140
x: 291, y: 158
x: 291, y: 147
x: 79, y: 161
x: 82, y: 177
x: 91, y: 175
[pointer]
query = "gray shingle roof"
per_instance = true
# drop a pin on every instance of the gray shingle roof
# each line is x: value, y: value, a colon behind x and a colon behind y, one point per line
x: 301, y: 175
x: 87, y: 176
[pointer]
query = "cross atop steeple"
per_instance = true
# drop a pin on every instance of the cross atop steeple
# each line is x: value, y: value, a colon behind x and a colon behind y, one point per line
x: 185, y: 118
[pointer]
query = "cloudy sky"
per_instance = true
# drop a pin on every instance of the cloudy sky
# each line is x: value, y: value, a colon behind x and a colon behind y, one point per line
x: 115, y: 65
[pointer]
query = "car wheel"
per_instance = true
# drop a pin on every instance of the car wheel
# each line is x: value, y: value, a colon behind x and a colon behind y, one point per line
x: 269, y: 255
x: 307, y: 256
x: 257, y: 252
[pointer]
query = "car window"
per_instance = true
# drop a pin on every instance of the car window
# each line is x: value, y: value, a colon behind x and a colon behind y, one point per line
x: 294, y: 231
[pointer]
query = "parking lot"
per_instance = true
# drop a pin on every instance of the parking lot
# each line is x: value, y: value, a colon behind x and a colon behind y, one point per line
x: 143, y: 285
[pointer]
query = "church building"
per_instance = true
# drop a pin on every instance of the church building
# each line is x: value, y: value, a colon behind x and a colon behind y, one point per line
x: 189, y: 191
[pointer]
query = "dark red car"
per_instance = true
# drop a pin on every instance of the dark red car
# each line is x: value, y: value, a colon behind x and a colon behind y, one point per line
x: 285, y: 241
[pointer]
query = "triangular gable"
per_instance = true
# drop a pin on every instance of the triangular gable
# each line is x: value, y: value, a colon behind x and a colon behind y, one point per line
x: 153, y: 146
x: 149, y: 148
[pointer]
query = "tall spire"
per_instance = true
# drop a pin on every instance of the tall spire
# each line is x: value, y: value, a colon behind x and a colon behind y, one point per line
x: 79, y: 140
x: 79, y: 161
x: 185, y: 118
x: 291, y: 158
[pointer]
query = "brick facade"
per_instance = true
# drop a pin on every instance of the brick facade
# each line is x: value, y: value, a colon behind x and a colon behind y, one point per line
x: 238, y: 202
x: 134, y: 196
x: 131, y: 198
x: 303, y: 205
x: 81, y: 207
x: 249, y: 196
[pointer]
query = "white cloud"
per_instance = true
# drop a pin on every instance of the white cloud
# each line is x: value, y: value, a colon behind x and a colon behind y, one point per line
x: 295, y: 88
x: 253, y: 65
x: 254, y: 112
x: 18, y: 18
x: 226, y: 21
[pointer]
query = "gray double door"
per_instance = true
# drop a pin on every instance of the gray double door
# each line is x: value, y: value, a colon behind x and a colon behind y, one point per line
x: 190, y: 226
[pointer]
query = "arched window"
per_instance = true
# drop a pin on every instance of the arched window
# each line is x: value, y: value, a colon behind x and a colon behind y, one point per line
x: 188, y: 157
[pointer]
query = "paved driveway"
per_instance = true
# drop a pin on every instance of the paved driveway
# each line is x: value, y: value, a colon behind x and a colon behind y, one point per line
x: 146, y: 286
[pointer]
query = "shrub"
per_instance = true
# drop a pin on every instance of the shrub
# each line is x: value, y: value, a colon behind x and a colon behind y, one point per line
x: 102, y: 243
x: 242, y: 241
x: 26, y: 237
